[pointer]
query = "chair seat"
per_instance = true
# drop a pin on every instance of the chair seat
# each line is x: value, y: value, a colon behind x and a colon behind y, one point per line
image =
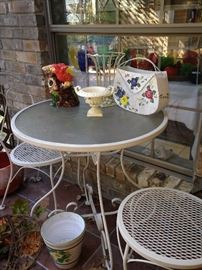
x: 29, y: 155
x: 164, y: 226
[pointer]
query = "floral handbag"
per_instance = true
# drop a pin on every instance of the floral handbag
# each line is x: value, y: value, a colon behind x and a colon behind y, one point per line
x: 141, y: 91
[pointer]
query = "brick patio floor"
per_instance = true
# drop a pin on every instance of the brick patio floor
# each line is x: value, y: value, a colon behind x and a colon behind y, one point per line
x: 91, y: 256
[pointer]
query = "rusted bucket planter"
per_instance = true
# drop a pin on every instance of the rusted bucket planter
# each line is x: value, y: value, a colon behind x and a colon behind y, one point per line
x: 5, y: 167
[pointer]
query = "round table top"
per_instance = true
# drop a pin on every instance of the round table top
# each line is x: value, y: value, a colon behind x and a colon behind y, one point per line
x: 69, y: 129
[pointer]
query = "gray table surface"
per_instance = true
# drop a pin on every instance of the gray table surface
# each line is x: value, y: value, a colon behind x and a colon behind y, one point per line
x: 69, y: 129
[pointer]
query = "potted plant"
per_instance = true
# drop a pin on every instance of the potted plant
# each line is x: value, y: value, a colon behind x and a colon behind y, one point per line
x: 5, y: 168
x: 20, y: 240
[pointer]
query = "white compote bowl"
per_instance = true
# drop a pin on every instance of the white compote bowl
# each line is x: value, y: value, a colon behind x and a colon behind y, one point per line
x: 94, y: 96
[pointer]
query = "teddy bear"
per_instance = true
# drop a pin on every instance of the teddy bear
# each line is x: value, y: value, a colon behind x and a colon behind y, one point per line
x: 59, y: 80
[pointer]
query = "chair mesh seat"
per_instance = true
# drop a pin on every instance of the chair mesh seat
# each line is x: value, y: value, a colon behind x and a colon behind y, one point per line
x: 163, y: 222
x: 26, y: 154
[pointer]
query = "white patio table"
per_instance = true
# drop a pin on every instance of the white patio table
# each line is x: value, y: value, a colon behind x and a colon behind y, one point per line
x: 70, y: 131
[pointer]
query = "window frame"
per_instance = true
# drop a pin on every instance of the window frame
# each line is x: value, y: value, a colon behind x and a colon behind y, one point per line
x: 179, y: 29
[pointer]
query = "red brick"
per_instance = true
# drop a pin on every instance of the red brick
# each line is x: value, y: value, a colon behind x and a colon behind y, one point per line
x: 119, y: 174
x: 27, y: 57
x: 10, y: 20
x: 34, y: 45
x: 16, y: 67
x: 9, y: 55
x: 34, y: 80
x: 6, y: 32
x: 21, y: 6
x: 36, y: 91
x: 111, y: 165
x: 104, y: 160
x: 27, y: 20
x: 3, y: 8
x: 12, y: 44
x: 30, y: 33
x: 31, y: 45
x: 33, y: 69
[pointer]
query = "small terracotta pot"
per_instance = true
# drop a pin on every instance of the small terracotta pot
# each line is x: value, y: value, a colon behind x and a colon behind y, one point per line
x: 5, y: 173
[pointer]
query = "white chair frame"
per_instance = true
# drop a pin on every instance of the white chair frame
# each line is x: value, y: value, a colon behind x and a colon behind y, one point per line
x: 162, y: 225
x: 16, y: 156
x: 105, y: 66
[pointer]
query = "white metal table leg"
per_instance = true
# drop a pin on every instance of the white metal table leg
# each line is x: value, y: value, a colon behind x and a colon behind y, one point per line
x: 52, y: 186
x: 106, y: 245
x: 124, y: 171
x: 86, y: 191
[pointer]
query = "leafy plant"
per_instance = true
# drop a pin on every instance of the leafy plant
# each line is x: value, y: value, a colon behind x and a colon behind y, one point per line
x: 186, y: 69
x: 20, y: 207
x: 166, y: 61
x: 20, y: 239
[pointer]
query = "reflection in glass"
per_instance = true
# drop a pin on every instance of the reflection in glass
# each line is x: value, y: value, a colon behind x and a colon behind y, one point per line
x: 74, y: 50
x: 182, y: 11
x: 83, y: 12
x: 179, y: 56
x: 125, y: 11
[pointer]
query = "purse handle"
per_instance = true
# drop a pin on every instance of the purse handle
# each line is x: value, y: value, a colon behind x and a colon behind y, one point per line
x: 141, y: 58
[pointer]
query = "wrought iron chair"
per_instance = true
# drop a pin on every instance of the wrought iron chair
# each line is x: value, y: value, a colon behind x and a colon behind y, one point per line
x: 30, y: 156
x: 5, y: 128
x: 105, y: 66
x: 163, y: 226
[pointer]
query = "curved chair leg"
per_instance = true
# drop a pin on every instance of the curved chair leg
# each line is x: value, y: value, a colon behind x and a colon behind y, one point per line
x: 2, y: 206
x: 11, y: 178
x: 53, y: 188
x: 125, y: 257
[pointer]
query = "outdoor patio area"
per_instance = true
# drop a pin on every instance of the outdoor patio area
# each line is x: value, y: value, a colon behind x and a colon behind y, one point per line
x: 91, y: 256
x: 100, y: 134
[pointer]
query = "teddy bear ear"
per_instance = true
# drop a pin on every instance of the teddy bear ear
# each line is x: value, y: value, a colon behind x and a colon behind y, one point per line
x: 47, y: 69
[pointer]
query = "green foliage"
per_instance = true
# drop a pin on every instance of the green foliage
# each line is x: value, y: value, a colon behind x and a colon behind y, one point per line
x: 3, y: 250
x: 21, y: 207
x: 166, y: 61
x: 17, y: 233
x: 38, y: 211
x: 186, y: 69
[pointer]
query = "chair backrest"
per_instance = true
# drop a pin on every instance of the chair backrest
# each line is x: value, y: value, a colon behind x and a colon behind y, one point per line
x: 5, y: 128
x: 105, y: 66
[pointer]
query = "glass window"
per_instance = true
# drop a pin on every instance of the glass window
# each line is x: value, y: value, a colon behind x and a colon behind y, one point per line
x: 179, y: 56
x: 167, y: 32
x: 125, y: 11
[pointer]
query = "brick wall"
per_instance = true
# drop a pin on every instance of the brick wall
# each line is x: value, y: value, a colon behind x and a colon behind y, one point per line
x: 23, y: 49
x: 113, y: 181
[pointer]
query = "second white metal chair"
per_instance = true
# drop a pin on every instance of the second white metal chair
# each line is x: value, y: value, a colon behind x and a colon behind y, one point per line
x: 30, y: 156
x: 162, y: 225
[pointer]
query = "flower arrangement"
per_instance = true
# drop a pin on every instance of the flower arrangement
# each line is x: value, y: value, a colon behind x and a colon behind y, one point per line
x: 59, y: 80
x: 63, y: 72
